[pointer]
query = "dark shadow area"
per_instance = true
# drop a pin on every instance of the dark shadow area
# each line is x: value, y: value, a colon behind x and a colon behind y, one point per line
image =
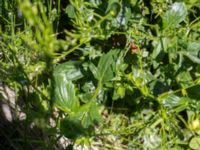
x: 20, y: 130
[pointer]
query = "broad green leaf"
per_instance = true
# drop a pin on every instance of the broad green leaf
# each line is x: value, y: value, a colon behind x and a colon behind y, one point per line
x: 193, y: 46
x: 195, y: 143
x: 64, y: 90
x: 184, y: 78
x: 104, y: 72
x: 193, y: 58
x: 127, y: 15
x: 71, y: 70
x: 123, y: 16
x: 175, y: 15
x: 106, y: 68
x: 65, y: 97
x: 95, y: 113
x: 175, y: 103
x: 88, y: 114
x: 77, y: 124
x: 161, y: 46
x: 193, y: 51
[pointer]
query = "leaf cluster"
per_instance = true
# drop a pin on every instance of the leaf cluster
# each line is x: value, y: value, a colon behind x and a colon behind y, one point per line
x: 117, y: 73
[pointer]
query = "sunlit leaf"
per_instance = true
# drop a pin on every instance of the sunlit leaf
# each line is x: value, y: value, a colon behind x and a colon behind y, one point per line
x: 175, y: 103
x: 106, y: 68
x: 64, y: 89
x: 184, y: 78
x: 70, y: 70
x: 193, y: 52
x: 65, y: 97
x: 195, y: 143
x: 88, y: 114
x: 175, y: 15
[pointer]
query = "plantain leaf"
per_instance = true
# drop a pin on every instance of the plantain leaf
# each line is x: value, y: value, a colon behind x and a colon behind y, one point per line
x: 64, y: 90
x: 175, y: 15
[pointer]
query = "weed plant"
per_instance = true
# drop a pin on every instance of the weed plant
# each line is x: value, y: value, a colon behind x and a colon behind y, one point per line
x: 104, y: 74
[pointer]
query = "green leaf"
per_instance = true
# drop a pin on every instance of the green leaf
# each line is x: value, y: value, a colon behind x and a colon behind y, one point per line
x: 70, y: 10
x: 88, y: 114
x: 121, y: 91
x: 95, y: 2
x: 71, y: 128
x: 192, y: 52
x: 114, y: 7
x: 161, y: 46
x: 184, y: 78
x: 94, y: 113
x: 64, y: 90
x: 175, y: 103
x: 65, y: 97
x: 94, y: 70
x: 71, y: 70
x: 195, y: 143
x: 193, y: 47
x: 193, y: 58
x: 89, y: 90
x: 106, y: 68
x: 175, y: 15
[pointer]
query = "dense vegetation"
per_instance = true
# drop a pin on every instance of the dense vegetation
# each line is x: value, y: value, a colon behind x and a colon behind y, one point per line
x: 104, y: 74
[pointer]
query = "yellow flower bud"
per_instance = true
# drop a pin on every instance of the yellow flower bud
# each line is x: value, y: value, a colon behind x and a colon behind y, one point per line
x: 195, y: 124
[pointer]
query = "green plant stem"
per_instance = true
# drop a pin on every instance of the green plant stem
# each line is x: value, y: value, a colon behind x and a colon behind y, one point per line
x: 70, y: 51
x: 58, y: 17
x: 160, y: 97
x: 86, y: 39
x: 96, y: 92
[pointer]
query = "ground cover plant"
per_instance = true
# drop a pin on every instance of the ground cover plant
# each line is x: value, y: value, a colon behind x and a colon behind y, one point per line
x: 100, y: 74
